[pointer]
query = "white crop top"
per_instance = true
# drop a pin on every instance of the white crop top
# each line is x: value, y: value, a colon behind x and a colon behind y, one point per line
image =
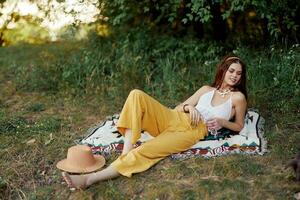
x: 208, y: 111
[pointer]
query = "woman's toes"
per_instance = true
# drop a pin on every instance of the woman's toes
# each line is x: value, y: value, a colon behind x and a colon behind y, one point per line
x: 75, y: 181
x: 67, y: 179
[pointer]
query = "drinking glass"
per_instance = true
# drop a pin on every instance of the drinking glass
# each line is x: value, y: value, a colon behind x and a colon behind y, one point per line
x: 213, y: 132
x: 206, y: 115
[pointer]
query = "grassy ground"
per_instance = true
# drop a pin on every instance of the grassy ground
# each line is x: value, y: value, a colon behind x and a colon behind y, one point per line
x: 37, y: 127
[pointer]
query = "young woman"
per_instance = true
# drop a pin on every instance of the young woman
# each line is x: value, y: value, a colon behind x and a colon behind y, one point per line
x: 174, y: 130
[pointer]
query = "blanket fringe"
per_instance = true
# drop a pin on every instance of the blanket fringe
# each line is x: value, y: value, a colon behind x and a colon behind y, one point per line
x: 261, y: 131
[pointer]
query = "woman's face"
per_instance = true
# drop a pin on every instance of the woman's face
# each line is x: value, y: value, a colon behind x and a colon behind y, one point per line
x: 233, y: 74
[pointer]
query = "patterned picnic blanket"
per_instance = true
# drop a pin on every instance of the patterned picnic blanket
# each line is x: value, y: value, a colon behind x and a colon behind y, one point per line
x: 104, y: 138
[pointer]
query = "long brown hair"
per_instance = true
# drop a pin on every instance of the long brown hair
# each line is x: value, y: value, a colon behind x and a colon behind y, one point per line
x: 222, y: 69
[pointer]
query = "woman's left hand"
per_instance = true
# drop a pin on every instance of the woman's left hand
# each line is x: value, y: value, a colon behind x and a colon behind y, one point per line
x: 215, y: 123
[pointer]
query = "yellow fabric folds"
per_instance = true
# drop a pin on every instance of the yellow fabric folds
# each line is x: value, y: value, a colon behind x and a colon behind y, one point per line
x: 171, y: 129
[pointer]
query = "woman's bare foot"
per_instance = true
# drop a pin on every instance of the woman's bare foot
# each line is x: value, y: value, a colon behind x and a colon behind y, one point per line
x: 75, y: 181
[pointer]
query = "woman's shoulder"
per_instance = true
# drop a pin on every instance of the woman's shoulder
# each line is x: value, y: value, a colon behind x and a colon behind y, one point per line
x: 206, y: 88
x: 238, y: 96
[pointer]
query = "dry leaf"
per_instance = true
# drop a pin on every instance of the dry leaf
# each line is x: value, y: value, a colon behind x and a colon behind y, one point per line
x: 48, y: 141
x: 215, y: 178
x: 30, y: 141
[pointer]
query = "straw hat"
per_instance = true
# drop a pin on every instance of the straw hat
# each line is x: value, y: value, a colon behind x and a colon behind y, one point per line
x: 80, y: 159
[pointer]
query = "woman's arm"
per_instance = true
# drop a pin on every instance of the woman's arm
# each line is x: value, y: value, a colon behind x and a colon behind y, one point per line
x: 193, y: 100
x: 240, y: 105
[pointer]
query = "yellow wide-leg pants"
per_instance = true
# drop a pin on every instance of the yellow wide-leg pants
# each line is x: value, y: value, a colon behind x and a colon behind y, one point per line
x: 171, y: 129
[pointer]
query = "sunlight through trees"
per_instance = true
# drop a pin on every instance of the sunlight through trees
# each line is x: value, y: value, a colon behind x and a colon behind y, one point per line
x: 44, y: 19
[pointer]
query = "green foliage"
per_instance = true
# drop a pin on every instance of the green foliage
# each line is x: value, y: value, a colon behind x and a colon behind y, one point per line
x: 280, y: 16
x: 160, y: 65
x: 37, y: 78
x: 37, y: 67
x: 249, y: 22
x: 277, y: 84
x: 274, y: 19
x: 27, y: 31
x: 163, y: 66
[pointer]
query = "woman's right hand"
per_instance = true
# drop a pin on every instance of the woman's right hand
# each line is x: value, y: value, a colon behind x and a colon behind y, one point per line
x: 195, y: 115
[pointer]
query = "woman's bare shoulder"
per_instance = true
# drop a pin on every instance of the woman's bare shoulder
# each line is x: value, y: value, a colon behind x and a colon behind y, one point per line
x: 238, y: 97
x: 206, y: 88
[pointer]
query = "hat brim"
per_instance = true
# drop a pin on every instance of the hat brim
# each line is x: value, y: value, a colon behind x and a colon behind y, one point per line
x: 66, y: 166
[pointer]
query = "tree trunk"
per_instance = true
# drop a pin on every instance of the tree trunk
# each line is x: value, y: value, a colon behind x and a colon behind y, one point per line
x: 219, y: 25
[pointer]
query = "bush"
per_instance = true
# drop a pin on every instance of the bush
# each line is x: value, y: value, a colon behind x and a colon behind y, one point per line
x: 168, y: 67
x: 246, y: 21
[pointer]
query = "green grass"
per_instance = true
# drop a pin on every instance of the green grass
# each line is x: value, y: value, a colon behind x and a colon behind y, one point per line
x: 36, y: 107
x: 39, y: 121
